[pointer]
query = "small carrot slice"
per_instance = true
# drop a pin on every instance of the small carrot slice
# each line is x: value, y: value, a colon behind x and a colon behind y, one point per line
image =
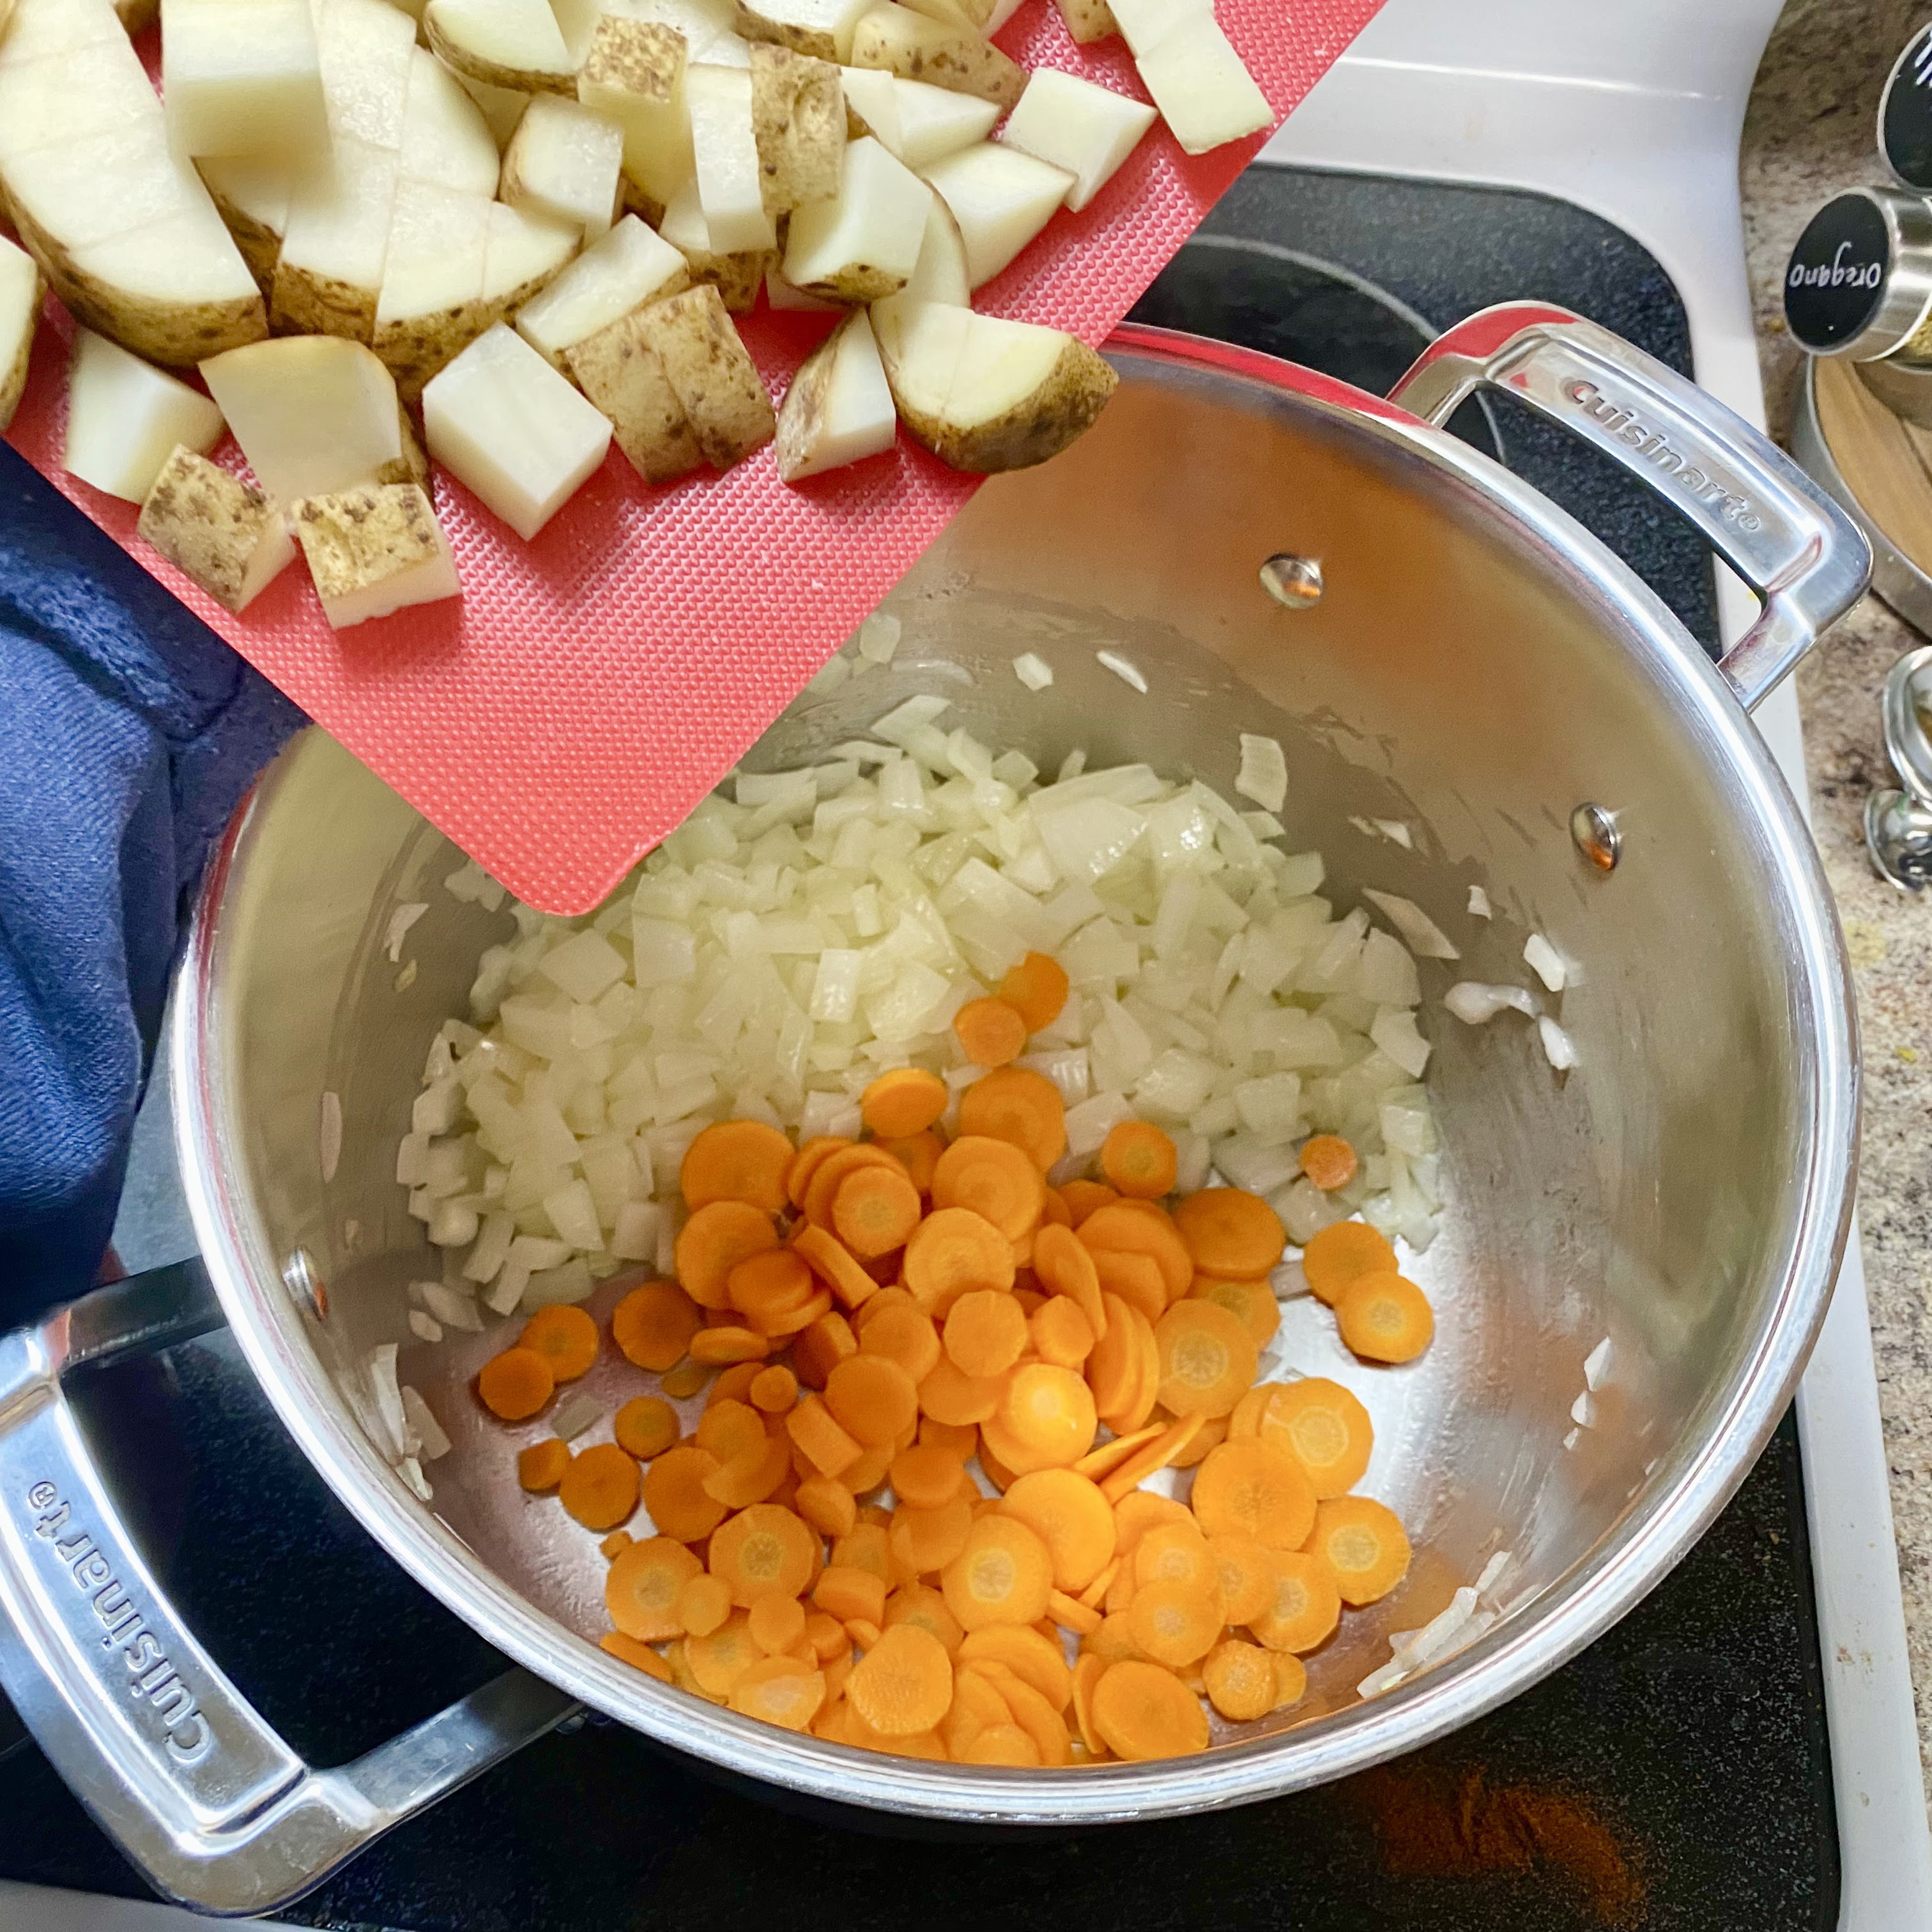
x: 1364, y: 1543
x: 820, y: 1346
x: 765, y: 1547
x: 872, y: 1399
x: 1016, y: 1104
x: 1139, y: 1159
x: 1003, y: 1576
x: 566, y: 1338
x: 768, y: 1287
x: 1061, y: 1333
x: 703, y: 1603
x: 1290, y: 1681
x: 875, y: 1210
x: 646, y: 1426
x: 822, y: 1189
x: 1035, y: 1714
x: 926, y: 1476
x: 825, y: 1443
x: 918, y: 1155
x: 674, y: 1494
x: 753, y: 1475
x: 1087, y: 1671
x: 713, y: 1242
x: 727, y: 1342
x: 1177, y: 1622
x: 640, y: 1588
x: 600, y: 1487
x: 903, y: 1685
x: 1136, y: 1279
x: 1247, y: 1488
x: 638, y: 1656
x: 986, y: 1333
x: 1209, y: 1437
x: 686, y: 1379
x: 1050, y: 1414
x: 514, y: 1385
x: 1174, y: 1552
x: 1207, y: 1359
x: 834, y: 1264
x: 776, y: 1622
x: 1230, y: 1232
x: 736, y: 1160
x: 780, y: 1690
x: 717, y: 1661
x: 952, y: 1251
x: 991, y: 1032
x: 923, y: 1541
x: 1324, y: 1427
x: 1385, y: 1318
x: 904, y: 1102
x: 1167, y: 1447
x: 1329, y: 1161
x: 733, y: 1385
x: 1113, y: 1369
x: 1247, y: 1569
x: 904, y: 1332
x: 1143, y: 1712
x: 827, y: 1504
x: 1002, y: 1744
x: 1251, y: 1303
x: 774, y: 1389
x: 1240, y: 1681
x: 1083, y: 1198
x: 1303, y: 1607
x: 1064, y: 1267
x: 920, y: 1603
x: 957, y: 1400
x: 1340, y: 1255
x: 805, y: 1163
x: 1070, y: 1613
x: 1057, y: 1211
x: 995, y: 1179
x: 1036, y: 990
x: 653, y: 1325
x: 850, y: 1593
x: 542, y: 1466
x: 1070, y: 1515
x: 1142, y: 1228
x: 1099, y: 1464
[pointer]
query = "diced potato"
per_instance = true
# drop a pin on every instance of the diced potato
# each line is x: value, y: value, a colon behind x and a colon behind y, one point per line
x: 313, y: 414
x: 253, y: 198
x: 525, y: 253
x: 43, y: 27
x: 974, y: 14
x: 984, y: 394
x: 718, y: 384
x: 737, y: 277
x: 374, y: 550
x: 513, y: 44
x: 821, y: 28
x: 624, y: 376
x: 446, y: 136
x: 865, y: 244
x: 936, y: 121
x: 628, y: 267
x: 1145, y: 24
x: 223, y: 533
x: 1001, y: 198
x: 329, y: 274
x: 242, y: 77
x: 705, y: 24
x: 906, y: 43
x: 512, y: 430
x: 20, y: 292
x: 501, y: 107
x: 940, y: 275
x: 432, y: 306
x: 633, y: 76
x: 871, y: 106
x: 1087, y: 130
x: 839, y: 409
x: 61, y: 98
x: 564, y: 161
x: 727, y: 151
x: 1088, y: 20
x: 1205, y: 94
x: 367, y: 51
x: 798, y: 119
x: 124, y: 419
x: 782, y: 295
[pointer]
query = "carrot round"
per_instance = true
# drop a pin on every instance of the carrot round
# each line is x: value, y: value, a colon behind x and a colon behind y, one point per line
x: 1240, y: 1681
x: 905, y: 1101
x: 1003, y: 1745
x: 918, y: 1154
x: 1036, y: 990
x: 717, y: 1661
x: 920, y: 1603
x: 872, y: 1399
x: 646, y: 1426
x: 1003, y: 1576
x: 1385, y: 1318
x: 1174, y: 1552
x: 1324, y: 1427
x: 905, y: 1333
x: 1229, y: 1231
x: 805, y: 1163
x: 653, y: 1325
x: 736, y: 1160
x: 713, y: 1242
x: 953, y: 1250
x: 923, y: 1541
x: 565, y: 1337
x: 1177, y: 1622
x: 733, y: 1385
x: 674, y: 1494
x: 904, y: 1683
x: 1328, y: 1161
x: 849, y: 1593
x: 1364, y: 1543
x: 1209, y: 1437
x: 875, y: 1210
x: 1083, y: 1198
x: 780, y: 1690
x: 600, y: 1487
x: 1142, y: 1712
x: 959, y: 1400
x: 1207, y: 1359
x: 1251, y: 1303
x: 767, y: 1287
x: 826, y: 1503
x: 995, y: 1179
x: 1141, y: 1227
x: 825, y: 1444
x: 1035, y: 1713
x: 1246, y: 1489
x: 834, y: 1264
x: 729, y: 1342
x: 542, y: 1466
x: 990, y: 1032
x: 515, y: 1384
x: 1016, y: 1104
x: 1088, y: 1669
x: 640, y: 1588
x: 1064, y: 1267
x: 1049, y: 1413
x: 765, y: 1547
x: 926, y: 1477
x: 1139, y: 1159
x: 1136, y: 1279
x: 753, y: 1475
x: 776, y: 1622
x: 639, y: 1656
x: 686, y: 1379
x: 1113, y: 1369
x: 704, y: 1603
x: 820, y: 1346
x: 1247, y: 1569
x: 1069, y: 1514
x: 1340, y: 1255
x: 1061, y: 1333
x: 774, y: 1389
x: 984, y: 1333
x: 1304, y: 1607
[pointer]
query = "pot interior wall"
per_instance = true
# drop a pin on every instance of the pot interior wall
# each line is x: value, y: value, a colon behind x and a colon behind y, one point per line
x: 1458, y: 676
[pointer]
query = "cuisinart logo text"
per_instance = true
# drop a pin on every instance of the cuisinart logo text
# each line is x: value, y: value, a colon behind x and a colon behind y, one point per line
x: 1650, y: 446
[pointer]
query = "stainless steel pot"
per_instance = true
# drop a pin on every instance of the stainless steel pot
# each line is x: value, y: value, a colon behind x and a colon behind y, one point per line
x: 1465, y: 660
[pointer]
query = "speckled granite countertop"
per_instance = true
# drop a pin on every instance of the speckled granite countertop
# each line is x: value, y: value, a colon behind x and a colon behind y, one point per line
x: 1810, y: 133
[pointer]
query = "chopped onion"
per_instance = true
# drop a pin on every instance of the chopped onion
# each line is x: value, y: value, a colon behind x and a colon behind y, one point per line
x: 328, y: 1138
x: 1545, y: 962
x: 431, y: 1442
x: 1263, y: 775
x: 423, y: 1326
x: 1393, y: 1030
x: 401, y: 920
x: 1123, y: 668
x: 1475, y: 1004
x: 1596, y: 1365
x: 1479, y: 904
x: 879, y: 637
x: 1493, y: 1571
x: 1570, y: 1441
x: 575, y: 1414
x: 389, y: 1395
x: 1583, y: 1411
x: 1420, y: 933
x: 1558, y: 1048
x: 1033, y: 670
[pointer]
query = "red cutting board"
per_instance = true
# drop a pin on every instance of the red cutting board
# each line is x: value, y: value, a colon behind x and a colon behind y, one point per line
x: 590, y: 687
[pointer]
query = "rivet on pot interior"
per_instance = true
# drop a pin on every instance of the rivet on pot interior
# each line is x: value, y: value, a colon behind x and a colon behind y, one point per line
x: 1293, y: 581
x: 1595, y: 831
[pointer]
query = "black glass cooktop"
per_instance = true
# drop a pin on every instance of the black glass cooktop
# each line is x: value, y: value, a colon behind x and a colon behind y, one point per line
x: 1674, y: 1778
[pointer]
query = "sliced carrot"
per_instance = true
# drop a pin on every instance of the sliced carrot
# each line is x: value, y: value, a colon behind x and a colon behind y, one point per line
x: 780, y: 1690
x: 904, y: 1683
x: 1070, y: 1613
x: 1136, y: 1279
x: 717, y: 1661
x: 1061, y: 1333
x: 736, y: 1160
x: 641, y: 1588
x: 1240, y: 1681
x: 1174, y: 1552
x: 753, y: 1475
x: 1340, y: 1255
x: 918, y: 1155
x: 834, y: 1264
x: 1142, y: 1712
x: 827, y: 1635
x: 977, y: 1706
x: 986, y: 1333
x: 566, y: 1338
x: 1085, y: 1198
x: 1014, y: 1103
x: 1003, y: 1575
x: 675, y: 1497
x: 600, y: 1487
x: 990, y: 1032
x: 1168, y: 1445
x: 926, y: 1476
x: 1003, y: 1745
x: 1207, y: 1358
x: 1137, y: 1403
x: 1303, y: 1607
x: 952, y: 1251
x: 1057, y: 1213
x: 1328, y: 1161
x: 957, y: 1400
x: 646, y: 1426
x: 1036, y: 990
x: 868, y: 1473
x: 1139, y: 1159
x: 686, y: 1379
x: 727, y: 1342
x: 774, y: 1389
x: 905, y: 1333
x: 1064, y: 1267
x: 1245, y: 1420
x: 1088, y: 1669
x: 962, y: 1439
x: 733, y: 1385
x: 653, y: 1325
x: 875, y: 1210
x: 872, y: 1399
x: 850, y: 1595
x: 1112, y: 1642
x: 765, y: 1547
x: 1209, y: 1437
x: 1229, y: 1231
x: 1247, y: 1569
x: 805, y: 1163
x: 713, y: 1242
x: 729, y: 1428
x: 995, y: 1179
x: 1251, y: 1303
x: 1385, y: 1318
x: 1142, y: 1228
x: 515, y: 1384
x: 1099, y: 1464
x: 1113, y: 1369
x: 776, y: 1622
x: 768, y: 1288
x: 923, y: 1541
x: 1247, y: 1488
x: 1177, y: 1622
x: 1119, y: 1595
x: 1034, y: 1713
x: 819, y: 1348
x: 1290, y: 1681
x: 614, y: 1545
x: 822, y: 1189
x: 920, y: 1603
x: 865, y: 1548
x: 1069, y: 1514
x: 827, y: 1504
x: 1364, y: 1543
x: 639, y: 1656
x: 1135, y: 1515
x: 1049, y: 1414
x: 704, y: 1603
x: 904, y: 1102
x: 1324, y: 1427
x: 542, y: 1466
x: 817, y: 1431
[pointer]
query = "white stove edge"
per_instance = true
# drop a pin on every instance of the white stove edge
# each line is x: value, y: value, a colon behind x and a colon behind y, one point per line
x: 1640, y: 123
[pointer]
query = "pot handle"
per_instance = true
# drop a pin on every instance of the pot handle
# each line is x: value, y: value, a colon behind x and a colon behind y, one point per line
x: 1780, y: 532
x: 202, y: 1797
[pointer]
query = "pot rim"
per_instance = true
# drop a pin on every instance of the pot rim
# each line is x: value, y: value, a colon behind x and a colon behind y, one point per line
x: 1509, y: 1658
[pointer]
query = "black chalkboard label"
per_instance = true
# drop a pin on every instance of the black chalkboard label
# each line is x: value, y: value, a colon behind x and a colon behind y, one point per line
x: 1837, y: 272
x: 1905, y: 114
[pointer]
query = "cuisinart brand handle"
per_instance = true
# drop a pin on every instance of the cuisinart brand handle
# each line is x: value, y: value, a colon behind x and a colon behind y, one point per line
x: 1770, y: 522
x: 202, y: 1796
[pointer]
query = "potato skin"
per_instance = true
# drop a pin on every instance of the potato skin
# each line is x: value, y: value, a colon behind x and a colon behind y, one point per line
x: 207, y: 524
x: 798, y: 118
x: 916, y: 48
x: 714, y: 379
x: 619, y: 371
x: 13, y: 380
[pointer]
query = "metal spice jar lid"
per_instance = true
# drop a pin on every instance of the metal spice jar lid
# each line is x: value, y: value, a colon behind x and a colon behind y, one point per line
x: 1859, y: 282
x: 1905, y: 114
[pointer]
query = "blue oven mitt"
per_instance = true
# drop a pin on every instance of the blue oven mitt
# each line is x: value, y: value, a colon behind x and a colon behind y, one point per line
x: 128, y: 732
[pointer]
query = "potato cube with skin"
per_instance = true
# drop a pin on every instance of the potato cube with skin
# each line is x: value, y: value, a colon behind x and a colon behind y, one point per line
x: 865, y: 244
x: 513, y: 430
x: 626, y: 268
x: 730, y: 178
x: 374, y: 550
x: 717, y: 383
x: 512, y: 44
x: 367, y: 51
x: 564, y: 161
x: 1001, y: 198
x: 974, y: 14
x: 431, y: 305
x: 224, y: 533
x: 1088, y: 20
x: 620, y: 372
x: 839, y: 409
x: 501, y: 107
x: 940, y: 275
x: 798, y: 120
x: 822, y: 29
x: 1204, y: 92
x: 313, y: 414
x: 20, y: 292
x: 329, y: 274
x: 1087, y: 130
x: 526, y: 252
x: 935, y: 122
x: 633, y: 76
x: 446, y: 136
x: 124, y: 419
x: 907, y: 44
x: 242, y: 77
x: 737, y: 277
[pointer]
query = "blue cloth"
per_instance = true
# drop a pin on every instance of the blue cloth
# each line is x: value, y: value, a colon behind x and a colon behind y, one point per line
x: 128, y: 732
